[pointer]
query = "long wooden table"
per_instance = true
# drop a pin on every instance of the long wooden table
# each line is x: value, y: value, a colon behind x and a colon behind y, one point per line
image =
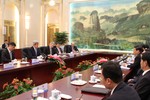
x: 44, y: 71
x: 66, y: 87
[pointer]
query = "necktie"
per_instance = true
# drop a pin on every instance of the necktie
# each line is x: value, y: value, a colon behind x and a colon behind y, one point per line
x: 35, y: 51
x: 50, y: 50
x: 10, y: 53
x: 59, y: 52
x: 73, y: 49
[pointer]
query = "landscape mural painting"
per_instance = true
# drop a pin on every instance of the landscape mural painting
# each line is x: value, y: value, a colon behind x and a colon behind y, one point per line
x: 110, y: 24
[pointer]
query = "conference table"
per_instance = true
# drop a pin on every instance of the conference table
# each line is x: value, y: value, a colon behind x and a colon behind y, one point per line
x: 43, y: 72
x: 66, y: 87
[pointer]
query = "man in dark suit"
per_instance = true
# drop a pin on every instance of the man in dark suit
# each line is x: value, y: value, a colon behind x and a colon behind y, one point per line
x: 57, y: 49
x: 73, y: 48
x: 50, y: 49
x: 112, y: 79
x: 67, y: 48
x: 8, y: 54
x: 5, y: 44
x: 136, y: 65
x: 35, y: 51
x: 143, y: 84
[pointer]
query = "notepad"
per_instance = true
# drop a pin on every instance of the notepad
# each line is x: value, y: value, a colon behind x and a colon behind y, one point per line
x: 94, y: 90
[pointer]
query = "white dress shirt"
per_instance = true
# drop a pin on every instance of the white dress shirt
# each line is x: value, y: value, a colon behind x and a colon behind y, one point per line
x: 145, y: 72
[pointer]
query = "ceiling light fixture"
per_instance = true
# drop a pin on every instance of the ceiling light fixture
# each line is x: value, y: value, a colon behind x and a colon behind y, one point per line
x: 51, y: 2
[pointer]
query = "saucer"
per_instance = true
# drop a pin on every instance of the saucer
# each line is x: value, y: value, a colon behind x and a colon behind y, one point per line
x: 98, y: 71
x: 92, y: 82
x: 78, y: 82
x: 51, y: 98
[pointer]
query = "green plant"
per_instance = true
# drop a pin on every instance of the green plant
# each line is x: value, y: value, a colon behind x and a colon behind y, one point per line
x: 16, y: 87
x: 61, y: 37
x: 62, y: 72
x: 85, y: 65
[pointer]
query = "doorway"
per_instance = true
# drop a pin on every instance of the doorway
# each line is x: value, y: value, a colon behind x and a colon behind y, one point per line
x: 10, y: 31
x: 51, y: 29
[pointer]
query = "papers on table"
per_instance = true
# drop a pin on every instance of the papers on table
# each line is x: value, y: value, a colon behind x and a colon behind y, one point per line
x: 23, y: 63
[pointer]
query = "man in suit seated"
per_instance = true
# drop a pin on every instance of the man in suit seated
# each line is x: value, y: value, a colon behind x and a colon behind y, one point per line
x: 112, y: 79
x: 5, y: 44
x: 8, y: 54
x: 73, y: 48
x: 67, y: 48
x: 35, y: 51
x: 136, y: 65
x: 50, y: 49
x: 142, y: 86
x: 57, y: 49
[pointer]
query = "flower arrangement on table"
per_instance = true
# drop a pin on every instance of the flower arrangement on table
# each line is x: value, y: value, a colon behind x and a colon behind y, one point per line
x: 57, y: 59
x: 85, y: 65
x: 62, y: 72
x: 101, y: 60
x: 16, y: 87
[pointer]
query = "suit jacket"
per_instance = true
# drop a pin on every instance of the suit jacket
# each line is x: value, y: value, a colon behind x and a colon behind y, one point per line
x: 3, y: 45
x: 123, y: 92
x: 56, y: 50
x: 143, y: 86
x: 74, y: 47
x: 47, y: 50
x: 6, y: 56
x: 135, y: 67
x: 33, y: 54
x: 67, y: 48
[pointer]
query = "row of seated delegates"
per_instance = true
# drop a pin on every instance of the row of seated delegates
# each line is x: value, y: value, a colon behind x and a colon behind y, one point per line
x: 53, y: 48
x: 70, y: 48
x: 5, y: 44
x: 7, y: 53
x: 135, y: 67
x: 142, y: 86
x: 133, y: 80
x: 112, y: 79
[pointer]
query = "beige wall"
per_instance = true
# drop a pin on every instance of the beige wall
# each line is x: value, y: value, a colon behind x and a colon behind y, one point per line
x: 1, y: 23
x: 58, y: 14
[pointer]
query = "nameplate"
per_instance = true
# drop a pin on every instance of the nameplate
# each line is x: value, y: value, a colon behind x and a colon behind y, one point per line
x: 8, y: 65
x: 95, y: 67
x: 35, y: 61
x: 42, y: 87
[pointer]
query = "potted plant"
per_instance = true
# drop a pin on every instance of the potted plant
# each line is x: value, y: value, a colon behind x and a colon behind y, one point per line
x: 61, y: 37
x: 62, y: 72
x: 85, y: 65
x: 16, y: 87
